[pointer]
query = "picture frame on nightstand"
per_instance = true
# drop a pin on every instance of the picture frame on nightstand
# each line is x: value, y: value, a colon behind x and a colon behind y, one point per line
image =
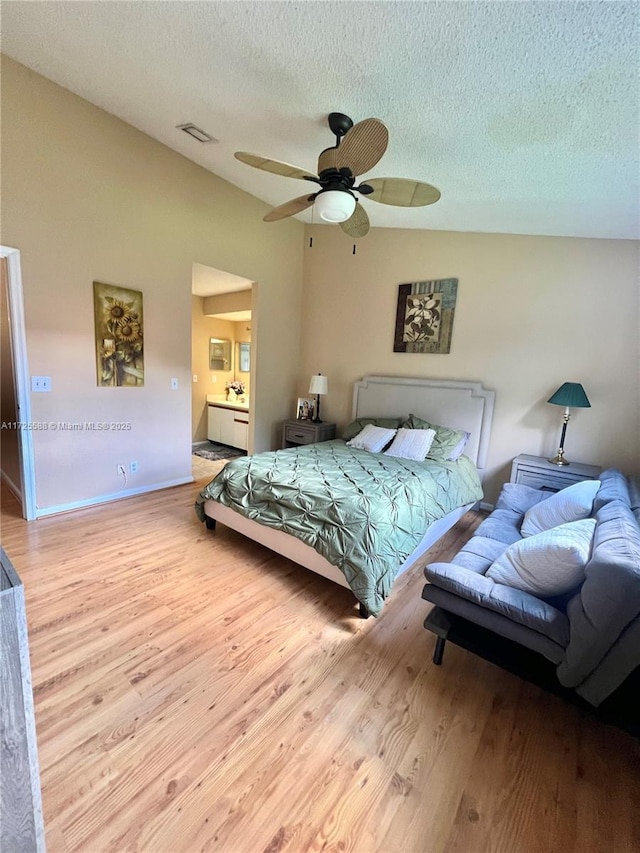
x: 306, y: 409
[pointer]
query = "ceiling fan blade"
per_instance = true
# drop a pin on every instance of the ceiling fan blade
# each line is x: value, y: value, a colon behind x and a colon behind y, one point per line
x: 402, y: 192
x: 290, y: 208
x: 363, y: 146
x: 358, y: 223
x: 273, y: 166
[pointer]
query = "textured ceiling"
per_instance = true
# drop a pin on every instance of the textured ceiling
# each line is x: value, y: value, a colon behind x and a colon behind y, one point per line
x: 524, y: 114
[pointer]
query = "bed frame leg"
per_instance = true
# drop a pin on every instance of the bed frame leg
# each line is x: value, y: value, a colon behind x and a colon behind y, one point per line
x: 438, y: 652
x: 210, y: 522
x: 364, y: 613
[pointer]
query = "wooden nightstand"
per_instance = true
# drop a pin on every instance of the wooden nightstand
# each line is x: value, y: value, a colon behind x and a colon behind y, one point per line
x: 539, y: 473
x: 295, y: 433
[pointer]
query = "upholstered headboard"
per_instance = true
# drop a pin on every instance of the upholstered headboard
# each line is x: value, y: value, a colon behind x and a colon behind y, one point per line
x: 448, y: 402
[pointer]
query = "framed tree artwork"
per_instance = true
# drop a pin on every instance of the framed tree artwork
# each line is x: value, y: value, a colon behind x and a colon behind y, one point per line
x: 119, y: 335
x: 424, y: 318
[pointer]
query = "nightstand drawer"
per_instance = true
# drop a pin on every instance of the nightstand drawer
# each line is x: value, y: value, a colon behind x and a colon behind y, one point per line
x: 547, y: 481
x: 299, y: 434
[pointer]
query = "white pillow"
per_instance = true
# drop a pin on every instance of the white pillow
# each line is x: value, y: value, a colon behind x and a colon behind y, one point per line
x: 570, y: 504
x: 372, y: 438
x: 411, y: 444
x: 549, y: 563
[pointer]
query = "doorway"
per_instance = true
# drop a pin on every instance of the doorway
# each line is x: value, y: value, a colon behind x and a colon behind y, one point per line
x: 16, y: 459
x: 222, y: 336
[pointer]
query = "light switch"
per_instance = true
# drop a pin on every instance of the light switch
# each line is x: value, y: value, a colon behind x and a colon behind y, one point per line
x: 41, y: 383
x: 195, y: 377
x: 174, y: 383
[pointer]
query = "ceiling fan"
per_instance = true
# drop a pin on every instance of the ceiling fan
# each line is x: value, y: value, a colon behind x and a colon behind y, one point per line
x: 357, y: 150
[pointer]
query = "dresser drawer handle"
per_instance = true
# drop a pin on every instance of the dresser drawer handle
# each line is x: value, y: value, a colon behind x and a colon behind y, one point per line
x: 238, y: 421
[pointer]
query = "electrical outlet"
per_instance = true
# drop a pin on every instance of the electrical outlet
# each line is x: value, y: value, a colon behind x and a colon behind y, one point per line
x: 121, y: 471
x: 195, y: 377
x: 133, y: 467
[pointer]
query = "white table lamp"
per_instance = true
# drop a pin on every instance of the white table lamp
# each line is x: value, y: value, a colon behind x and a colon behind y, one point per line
x: 318, y: 386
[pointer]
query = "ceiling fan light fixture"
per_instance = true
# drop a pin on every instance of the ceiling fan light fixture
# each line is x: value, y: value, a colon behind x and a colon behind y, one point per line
x: 335, y: 205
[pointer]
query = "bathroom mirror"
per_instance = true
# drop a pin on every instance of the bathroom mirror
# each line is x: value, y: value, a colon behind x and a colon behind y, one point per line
x: 219, y: 354
x: 243, y: 360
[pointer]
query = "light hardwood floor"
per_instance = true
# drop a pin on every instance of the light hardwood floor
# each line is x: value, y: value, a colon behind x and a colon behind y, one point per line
x: 195, y: 692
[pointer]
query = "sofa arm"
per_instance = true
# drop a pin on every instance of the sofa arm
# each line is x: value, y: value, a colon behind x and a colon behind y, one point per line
x: 609, y: 599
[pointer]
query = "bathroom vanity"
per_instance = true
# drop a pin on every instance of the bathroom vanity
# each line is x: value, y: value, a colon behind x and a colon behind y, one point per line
x: 228, y: 422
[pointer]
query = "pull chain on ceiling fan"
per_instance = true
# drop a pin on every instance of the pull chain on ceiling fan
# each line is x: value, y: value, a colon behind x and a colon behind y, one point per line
x: 359, y: 147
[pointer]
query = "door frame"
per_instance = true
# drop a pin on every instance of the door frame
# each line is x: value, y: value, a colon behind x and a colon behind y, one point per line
x: 21, y: 379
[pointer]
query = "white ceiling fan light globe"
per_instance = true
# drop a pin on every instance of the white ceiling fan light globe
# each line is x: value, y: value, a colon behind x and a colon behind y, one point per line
x: 335, y: 205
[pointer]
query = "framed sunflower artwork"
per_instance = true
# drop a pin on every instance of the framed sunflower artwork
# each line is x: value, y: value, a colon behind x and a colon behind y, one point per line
x: 119, y: 336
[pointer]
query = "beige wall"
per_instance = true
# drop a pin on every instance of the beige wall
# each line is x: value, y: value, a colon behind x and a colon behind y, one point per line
x: 532, y: 312
x: 224, y: 303
x: 87, y: 197
x: 9, y: 452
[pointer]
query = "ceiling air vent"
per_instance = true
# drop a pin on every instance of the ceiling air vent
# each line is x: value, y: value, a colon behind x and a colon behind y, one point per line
x: 196, y: 132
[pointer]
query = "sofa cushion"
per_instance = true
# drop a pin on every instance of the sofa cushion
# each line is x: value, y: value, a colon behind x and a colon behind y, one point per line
x: 502, y: 525
x: 609, y: 599
x: 479, y: 553
x: 570, y: 504
x: 548, y: 564
x: 515, y: 604
x: 505, y: 626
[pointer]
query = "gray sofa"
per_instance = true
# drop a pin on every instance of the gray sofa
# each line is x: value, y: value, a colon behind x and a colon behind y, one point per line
x: 592, y: 634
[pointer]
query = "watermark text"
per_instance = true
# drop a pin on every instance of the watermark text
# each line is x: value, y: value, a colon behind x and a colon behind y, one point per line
x: 68, y: 426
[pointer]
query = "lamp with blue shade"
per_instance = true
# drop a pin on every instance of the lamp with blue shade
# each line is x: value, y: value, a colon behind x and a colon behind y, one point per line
x: 570, y: 395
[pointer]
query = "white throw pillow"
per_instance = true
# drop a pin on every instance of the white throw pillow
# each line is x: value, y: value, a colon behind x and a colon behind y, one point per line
x: 411, y: 444
x: 570, y: 504
x: 372, y: 438
x: 549, y: 563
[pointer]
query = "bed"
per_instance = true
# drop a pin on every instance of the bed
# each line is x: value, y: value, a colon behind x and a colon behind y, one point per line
x: 355, y: 517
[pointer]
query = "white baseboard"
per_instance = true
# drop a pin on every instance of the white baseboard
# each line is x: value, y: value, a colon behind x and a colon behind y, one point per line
x: 117, y: 496
x: 17, y: 491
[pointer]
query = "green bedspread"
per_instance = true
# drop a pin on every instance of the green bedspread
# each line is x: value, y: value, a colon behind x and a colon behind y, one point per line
x: 364, y: 512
